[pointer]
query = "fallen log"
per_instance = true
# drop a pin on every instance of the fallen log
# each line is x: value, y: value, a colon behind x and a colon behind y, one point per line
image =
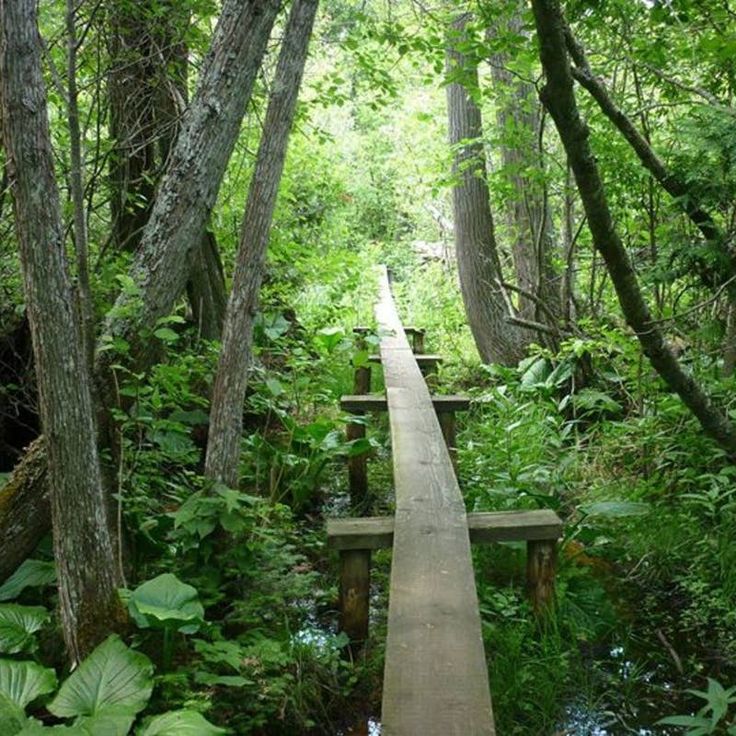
x: 25, y: 512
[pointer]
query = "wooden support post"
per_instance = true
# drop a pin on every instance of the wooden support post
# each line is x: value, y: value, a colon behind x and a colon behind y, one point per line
x: 418, y: 342
x: 358, y: 464
x: 541, y: 562
x: 362, y: 382
x: 357, y: 468
x: 355, y: 583
x: 448, y: 426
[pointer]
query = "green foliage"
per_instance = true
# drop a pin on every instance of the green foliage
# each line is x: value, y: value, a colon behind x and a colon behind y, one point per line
x: 30, y: 574
x: 711, y: 718
x: 18, y: 624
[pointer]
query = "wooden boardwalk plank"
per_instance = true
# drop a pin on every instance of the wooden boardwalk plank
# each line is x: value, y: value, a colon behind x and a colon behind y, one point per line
x: 435, y: 676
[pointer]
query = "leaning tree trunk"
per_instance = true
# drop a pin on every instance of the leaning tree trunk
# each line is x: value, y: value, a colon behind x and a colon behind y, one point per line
x: 559, y: 98
x: 530, y: 221
x: 147, y: 92
x: 88, y: 598
x: 479, y: 267
x: 186, y: 196
x: 226, y: 413
x: 196, y: 166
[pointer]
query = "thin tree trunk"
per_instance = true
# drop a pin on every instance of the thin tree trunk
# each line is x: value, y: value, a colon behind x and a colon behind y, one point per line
x: 226, y: 413
x: 479, y: 267
x: 76, y: 176
x: 530, y: 220
x: 196, y: 166
x: 147, y: 90
x: 670, y: 182
x: 559, y: 97
x: 88, y: 598
x: 186, y: 196
x: 206, y: 289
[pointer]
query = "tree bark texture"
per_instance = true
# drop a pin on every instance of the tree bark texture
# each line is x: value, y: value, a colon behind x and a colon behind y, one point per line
x: 195, y: 169
x: 226, y: 413
x: 186, y: 193
x: 89, y: 603
x: 147, y: 92
x: 479, y: 267
x: 559, y: 97
x: 518, y: 114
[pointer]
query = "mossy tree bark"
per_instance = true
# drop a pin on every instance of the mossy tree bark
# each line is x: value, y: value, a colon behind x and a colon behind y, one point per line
x: 89, y: 603
x: 186, y: 196
x: 226, y: 413
x: 559, y: 97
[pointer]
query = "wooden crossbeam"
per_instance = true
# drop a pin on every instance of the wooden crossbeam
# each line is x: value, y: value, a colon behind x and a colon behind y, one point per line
x: 428, y: 360
x: 377, y: 532
x: 355, y: 403
x: 408, y: 329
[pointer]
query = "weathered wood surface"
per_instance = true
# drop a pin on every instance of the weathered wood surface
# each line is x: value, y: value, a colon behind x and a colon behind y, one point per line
x: 425, y: 361
x: 377, y: 532
x: 355, y: 585
x: 435, y: 676
x: 375, y: 403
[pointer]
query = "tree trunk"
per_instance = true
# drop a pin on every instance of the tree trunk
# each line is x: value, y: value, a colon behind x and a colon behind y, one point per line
x: 206, y: 289
x: 530, y: 220
x: 147, y: 90
x: 89, y: 602
x: 479, y: 267
x: 196, y: 166
x: 226, y: 413
x: 186, y: 195
x: 559, y: 97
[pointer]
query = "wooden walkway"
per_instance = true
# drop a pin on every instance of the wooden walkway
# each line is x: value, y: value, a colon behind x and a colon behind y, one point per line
x: 435, y: 676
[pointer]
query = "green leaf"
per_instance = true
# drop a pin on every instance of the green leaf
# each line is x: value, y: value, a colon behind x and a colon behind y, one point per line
x: 31, y: 574
x: 615, y: 509
x: 180, y: 723
x: 166, y: 334
x: 18, y: 624
x: 275, y: 386
x: 23, y: 682
x: 166, y: 602
x: 12, y: 717
x: 536, y: 374
x: 112, y: 676
x: 112, y: 721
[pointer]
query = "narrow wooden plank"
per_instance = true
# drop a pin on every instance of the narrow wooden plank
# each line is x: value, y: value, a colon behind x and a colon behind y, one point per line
x: 355, y: 403
x: 435, y: 677
x: 377, y: 532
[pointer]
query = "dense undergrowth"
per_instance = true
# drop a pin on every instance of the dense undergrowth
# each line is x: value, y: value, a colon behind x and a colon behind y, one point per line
x: 645, y: 596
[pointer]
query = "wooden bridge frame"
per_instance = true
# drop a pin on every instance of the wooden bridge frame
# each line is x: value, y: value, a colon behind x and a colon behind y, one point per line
x: 435, y: 677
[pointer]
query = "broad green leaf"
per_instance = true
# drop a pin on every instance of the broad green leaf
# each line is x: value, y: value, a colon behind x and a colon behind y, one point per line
x: 31, y: 574
x: 180, y: 723
x: 113, y: 721
x: 536, y: 374
x: 112, y: 676
x: 12, y: 717
x: 18, y: 624
x: 166, y: 602
x: 615, y: 509
x: 23, y: 682
x: 274, y: 386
